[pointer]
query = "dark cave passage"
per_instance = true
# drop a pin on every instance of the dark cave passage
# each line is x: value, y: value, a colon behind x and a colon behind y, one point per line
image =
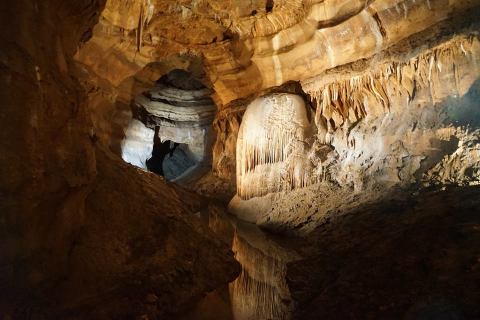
x: 169, y: 159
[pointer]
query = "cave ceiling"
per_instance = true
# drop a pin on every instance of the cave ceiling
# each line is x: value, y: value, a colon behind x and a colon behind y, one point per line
x: 247, y: 46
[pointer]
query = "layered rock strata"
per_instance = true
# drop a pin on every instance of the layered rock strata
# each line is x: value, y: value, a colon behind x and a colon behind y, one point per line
x: 241, y: 43
x: 176, y: 112
x: 331, y: 34
x: 249, y: 47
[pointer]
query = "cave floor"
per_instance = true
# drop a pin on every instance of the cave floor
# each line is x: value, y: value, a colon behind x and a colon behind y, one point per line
x: 415, y: 256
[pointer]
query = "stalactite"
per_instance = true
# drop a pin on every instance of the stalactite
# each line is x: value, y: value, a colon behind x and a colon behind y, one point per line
x: 140, y: 29
x: 349, y: 98
x: 146, y: 13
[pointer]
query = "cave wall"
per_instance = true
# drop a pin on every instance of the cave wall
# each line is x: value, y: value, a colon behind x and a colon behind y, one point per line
x: 83, y: 235
x: 246, y: 53
x: 393, y: 86
x: 385, y: 129
x: 47, y: 150
x: 368, y: 70
x: 246, y: 49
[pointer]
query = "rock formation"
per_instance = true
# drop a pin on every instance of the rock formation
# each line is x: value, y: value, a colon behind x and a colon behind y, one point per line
x: 391, y: 125
x: 84, y: 235
x: 270, y: 146
x: 293, y: 111
x: 177, y: 109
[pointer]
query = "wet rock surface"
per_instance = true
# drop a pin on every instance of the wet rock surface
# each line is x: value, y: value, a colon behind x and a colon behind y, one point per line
x: 413, y: 257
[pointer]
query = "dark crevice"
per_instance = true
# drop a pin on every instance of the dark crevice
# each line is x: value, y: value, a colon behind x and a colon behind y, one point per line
x: 181, y: 79
x: 159, y: 152
x: 380, y: 25
x: 269, y: 6
x: 169, y: 159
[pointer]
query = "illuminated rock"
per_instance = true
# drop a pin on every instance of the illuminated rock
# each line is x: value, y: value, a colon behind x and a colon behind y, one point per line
x: 179, y: 111
x: 345, y: 97
x: 138, y: 144
x: 413, y: 121
x: 271, y: 145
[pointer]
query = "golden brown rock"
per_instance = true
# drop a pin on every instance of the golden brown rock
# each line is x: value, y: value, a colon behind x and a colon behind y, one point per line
x: 84, y: 235
x: 385, y: 100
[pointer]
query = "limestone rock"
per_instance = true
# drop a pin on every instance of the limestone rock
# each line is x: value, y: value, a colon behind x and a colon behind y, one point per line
x: 180, y: 110
x: 270, y: 145
x: 84, y: 235
x: 395, y: 125
x: 297, y: 39
x: 137, y: 145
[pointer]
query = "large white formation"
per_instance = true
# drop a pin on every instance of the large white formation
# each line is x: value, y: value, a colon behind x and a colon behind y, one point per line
x: 271, y: 145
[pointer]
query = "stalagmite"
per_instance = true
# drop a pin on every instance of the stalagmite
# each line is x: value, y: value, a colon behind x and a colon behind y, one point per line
x: 269, y: 145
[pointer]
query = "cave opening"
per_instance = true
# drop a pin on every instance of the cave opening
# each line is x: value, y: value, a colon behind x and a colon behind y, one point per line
x: 269, y: 6
x: 175, y: 116
x: 169, y: 159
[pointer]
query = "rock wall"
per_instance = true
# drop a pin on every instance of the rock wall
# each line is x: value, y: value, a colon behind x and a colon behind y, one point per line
x: 83, y: 235
x: 398, y: 124
x: 320, y: 41
x: 360, y: 64
x: 246, y: 48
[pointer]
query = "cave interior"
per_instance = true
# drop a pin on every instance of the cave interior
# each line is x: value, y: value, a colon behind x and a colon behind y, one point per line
x: 240, y: 160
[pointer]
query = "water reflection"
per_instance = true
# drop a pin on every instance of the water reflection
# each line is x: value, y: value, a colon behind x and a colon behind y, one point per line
x: 260, y: 292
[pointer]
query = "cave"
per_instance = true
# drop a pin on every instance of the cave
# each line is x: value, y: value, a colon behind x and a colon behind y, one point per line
x: 269, y: 6
x: 169, y: 159
x: 239, y: 160
x: 170, y: 129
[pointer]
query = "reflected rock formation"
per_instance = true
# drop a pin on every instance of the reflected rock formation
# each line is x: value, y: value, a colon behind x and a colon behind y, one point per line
x: 260, y: 292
